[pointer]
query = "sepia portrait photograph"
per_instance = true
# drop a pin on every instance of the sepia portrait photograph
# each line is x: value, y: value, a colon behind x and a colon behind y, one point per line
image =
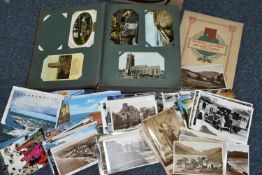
x: 128, y: 113
x: 131, y: 150
x: 198, y: 158
x: 222, y: 117
x: 124, y: 27
x: 141, y: 65
x: 163, y: 129
x: 159, y: 28
x: 203, y: 77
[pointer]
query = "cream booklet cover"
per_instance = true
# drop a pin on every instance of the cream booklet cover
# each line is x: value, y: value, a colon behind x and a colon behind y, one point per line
x: 207, y: 40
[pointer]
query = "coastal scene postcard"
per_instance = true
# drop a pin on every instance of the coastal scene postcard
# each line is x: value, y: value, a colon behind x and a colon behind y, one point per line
x: 207, y: 40
x: 31, y: 109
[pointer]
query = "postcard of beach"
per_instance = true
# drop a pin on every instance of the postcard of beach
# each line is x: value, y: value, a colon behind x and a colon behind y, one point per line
x: 87, y: 106
x: 29, y: 109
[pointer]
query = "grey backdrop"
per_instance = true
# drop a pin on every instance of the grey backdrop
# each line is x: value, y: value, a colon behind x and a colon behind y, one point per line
x: 18, y: 24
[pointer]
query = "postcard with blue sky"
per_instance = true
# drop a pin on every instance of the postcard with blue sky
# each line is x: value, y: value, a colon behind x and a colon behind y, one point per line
x: 30, y: 109
x: 87, y: 106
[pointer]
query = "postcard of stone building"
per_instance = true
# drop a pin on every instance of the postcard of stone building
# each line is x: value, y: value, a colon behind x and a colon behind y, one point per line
x: 29, y: 109
x: 81, y: 107
x: 131, y: 149
x: 162, y: 130
x: 203, y: 77
x: 223, y: 117
x: 75, y: 155
x: 128, y: 113
x: 159, y: 28
x: 82, y: 29
x: 237, y: 159
x: 141, y: 65
x: 198, y: 158
x: 25, y: 155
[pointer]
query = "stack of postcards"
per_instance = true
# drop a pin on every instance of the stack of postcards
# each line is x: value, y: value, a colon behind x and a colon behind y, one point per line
x: 201, y: 129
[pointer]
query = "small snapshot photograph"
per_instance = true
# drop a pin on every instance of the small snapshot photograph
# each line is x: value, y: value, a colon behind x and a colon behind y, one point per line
x: 141, y: 65
x: 159, y: 28
x: 237, y: 159
x: 62, y: 67
x: 131, y: 150
x: 64, y: 115
x: 198, y: 158
x: 223, y: 117
x: 124, y: 27
x: 82, y: 29
x: 25, y: 156
x: 203, y: 77
x: 128, y: 113
x: 163, y: 130
x: 75, y: 155
x: 31, y: 109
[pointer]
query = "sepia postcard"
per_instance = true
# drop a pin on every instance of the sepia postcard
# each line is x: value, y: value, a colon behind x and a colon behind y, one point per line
x: 162, y: 130
x: 82, y: 29
x: 24, y: 156
x: 81, y: 107
x: 177, y: 3
x: 131, y: 150
x: 159, y: 28
x: 203, y: 77
x: 208, y: 40
x: 141, y: 65
x: 223, y: 117
x: 198, y: 158
x: 237, y: 159
x: 124, y: 27
x: 75, y: 155
x: 29, y: 109
x: 128, y: 113
x: 62, y: 67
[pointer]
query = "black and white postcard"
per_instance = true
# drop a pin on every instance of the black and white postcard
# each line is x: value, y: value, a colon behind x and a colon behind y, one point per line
x: 198, y: 158
x: 128, y: 113
x: 203, y: 77
x: 31, y: 109
x: 223, y: 117
x: 131, y: 150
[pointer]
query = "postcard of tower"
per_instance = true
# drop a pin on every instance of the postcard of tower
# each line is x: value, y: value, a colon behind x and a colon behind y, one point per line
x: 198, y: 158
x: 128, y: 113
x: 162, y: 130
x: 29, y: 109
x: 207, y: 40
x: 132, y: 151
x: 223, y: 117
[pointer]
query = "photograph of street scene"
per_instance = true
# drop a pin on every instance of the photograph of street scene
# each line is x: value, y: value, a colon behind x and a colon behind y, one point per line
x: 124, y: 27
x: 141, y: 65
x: 131, y: 150
x: 159, y: 28
x: 75, y: 155
x: 198, y: 158
x: 130, y: 112
x: 203, y: 77
x: 237, y: 159
x: 222, y: 117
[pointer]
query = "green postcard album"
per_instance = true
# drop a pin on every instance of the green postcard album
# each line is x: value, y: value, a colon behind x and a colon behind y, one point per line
x: 109, y: 46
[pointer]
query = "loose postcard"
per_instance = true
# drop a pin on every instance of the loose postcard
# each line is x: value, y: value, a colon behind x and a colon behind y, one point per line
x: 30, y: 109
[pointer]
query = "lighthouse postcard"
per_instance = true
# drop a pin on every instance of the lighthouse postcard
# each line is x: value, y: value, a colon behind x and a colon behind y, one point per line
x: 31, y: 109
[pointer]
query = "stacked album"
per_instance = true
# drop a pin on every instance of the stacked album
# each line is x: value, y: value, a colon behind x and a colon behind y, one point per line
x: 109, y: 46
x: 143, y: 108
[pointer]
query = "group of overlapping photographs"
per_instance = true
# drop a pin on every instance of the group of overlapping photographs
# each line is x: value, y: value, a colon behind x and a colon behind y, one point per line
x: 188, y: 132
